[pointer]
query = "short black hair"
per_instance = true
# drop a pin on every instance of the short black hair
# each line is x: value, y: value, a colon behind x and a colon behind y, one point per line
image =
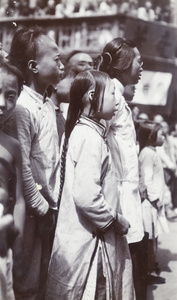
x: 10, y: 68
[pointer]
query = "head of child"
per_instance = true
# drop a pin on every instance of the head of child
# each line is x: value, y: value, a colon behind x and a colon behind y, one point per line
x: 150, y: 134
x: 11, y: 82
x: 121, y: 60
x: 91, y: 95
x: 37, y: 57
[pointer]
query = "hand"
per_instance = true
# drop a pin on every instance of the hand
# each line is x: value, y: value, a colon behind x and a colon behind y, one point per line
x: 7, y: 231
x: 121, y: 225
x: 45, y: 223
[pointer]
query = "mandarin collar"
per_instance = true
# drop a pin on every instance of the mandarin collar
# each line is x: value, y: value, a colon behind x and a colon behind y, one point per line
x: 35, y: 95
x: 97, y: 126
x: 118, y: 85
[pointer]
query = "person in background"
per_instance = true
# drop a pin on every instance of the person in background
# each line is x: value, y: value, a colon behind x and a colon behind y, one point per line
x: 152, y: 190
x: 121, y: 60
x: 90, y: 257
x: 167, y: 155
x: 34, y: 124
x: 12, y: 203
x: 77, y: 61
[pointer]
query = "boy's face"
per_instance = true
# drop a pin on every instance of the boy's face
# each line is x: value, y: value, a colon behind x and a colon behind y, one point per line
x: 49, y: 66
x: 8, y: 94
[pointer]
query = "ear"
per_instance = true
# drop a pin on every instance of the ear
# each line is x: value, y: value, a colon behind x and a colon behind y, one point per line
x: 91, y: 94
x: 32, y: 65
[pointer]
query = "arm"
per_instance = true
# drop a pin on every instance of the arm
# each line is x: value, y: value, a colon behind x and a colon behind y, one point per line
x: 147, y: 174
x: 26, y: 134
x: 19, y: 208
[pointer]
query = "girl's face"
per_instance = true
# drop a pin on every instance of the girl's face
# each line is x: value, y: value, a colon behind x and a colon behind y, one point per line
x: 160, y: 138
x: 49, y: 66
x: 136, y: 68
x: 8, y: 94
x: 110, y: 106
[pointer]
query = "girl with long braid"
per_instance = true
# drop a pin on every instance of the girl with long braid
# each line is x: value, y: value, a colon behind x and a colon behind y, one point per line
x: 90, y: 256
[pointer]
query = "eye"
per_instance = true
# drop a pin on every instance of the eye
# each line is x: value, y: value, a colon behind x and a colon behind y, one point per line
x: 11, y: 97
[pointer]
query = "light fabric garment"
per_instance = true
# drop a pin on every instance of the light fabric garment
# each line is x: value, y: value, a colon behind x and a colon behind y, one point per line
x: 122, y: 142
x: 38, y: 137
x: 152, y: 181
x: 6, y: 281
x: 89, y: 203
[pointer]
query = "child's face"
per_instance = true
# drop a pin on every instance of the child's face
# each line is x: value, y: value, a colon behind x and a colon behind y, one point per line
x: 136, y: 68
x: 160, y: 138
x: 49, y: 66
x: 8, y: 94
x: 110, y: 106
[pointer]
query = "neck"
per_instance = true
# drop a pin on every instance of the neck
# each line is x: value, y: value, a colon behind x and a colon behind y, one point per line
x: 36, y: 86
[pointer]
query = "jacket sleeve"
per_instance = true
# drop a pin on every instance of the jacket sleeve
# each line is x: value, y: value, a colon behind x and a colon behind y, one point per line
x: 146, y: 171
x: 34, y: 200
x: 87, y: 188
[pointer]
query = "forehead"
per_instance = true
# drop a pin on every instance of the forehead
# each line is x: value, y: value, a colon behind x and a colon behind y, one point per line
x: 137, y: 53
x: 8, y: 79
x: 80, y: 57
x: 46, y: 45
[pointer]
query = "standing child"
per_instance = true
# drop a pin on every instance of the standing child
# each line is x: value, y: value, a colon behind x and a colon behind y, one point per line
x: 121, y: 60
x: 38, y: 58
x: 152, y: 188
x: 11, y: 195
x: 90, y: 257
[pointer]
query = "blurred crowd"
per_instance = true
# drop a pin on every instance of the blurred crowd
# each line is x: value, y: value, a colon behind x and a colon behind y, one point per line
x: 167, y: 153
x: 146, y: 10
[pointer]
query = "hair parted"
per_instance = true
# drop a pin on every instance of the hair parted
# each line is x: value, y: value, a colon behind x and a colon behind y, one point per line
x: 81, y: 84
x: 117, y: 55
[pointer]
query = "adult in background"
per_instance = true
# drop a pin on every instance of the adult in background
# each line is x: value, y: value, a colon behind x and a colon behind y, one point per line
x: 77, y: 61
x: 34, y: 124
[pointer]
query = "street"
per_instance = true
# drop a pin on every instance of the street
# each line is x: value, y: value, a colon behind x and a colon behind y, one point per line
x: 167, y: 259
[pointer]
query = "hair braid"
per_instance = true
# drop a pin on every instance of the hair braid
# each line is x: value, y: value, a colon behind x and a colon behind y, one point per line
x: 62, y: 168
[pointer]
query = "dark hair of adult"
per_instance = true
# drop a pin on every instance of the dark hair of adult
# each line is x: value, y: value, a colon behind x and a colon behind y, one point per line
x: 24, y: 47
x: 11, y: 69
x: 147, y: 133
x: 117, y: 56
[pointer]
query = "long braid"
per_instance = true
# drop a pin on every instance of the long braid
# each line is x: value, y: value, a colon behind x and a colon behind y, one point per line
x: 62, y: 169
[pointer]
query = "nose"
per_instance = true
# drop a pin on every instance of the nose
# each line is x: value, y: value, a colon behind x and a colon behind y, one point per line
x: 61, y: 66
x: 2, y: 102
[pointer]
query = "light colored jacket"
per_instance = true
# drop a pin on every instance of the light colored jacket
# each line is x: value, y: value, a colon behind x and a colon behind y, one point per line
x: 152, y: 180
x: 122, y: 142
x: 89, y: 204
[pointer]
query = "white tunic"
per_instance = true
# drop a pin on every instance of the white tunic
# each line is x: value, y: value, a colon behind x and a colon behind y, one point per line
x: 122, y: 142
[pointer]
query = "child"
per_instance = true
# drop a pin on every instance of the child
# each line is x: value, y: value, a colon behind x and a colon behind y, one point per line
x: 11, y: 196
x: 121, y: 60
x: 38, y: 58
x: 152, y: 188
x: 89, y: 237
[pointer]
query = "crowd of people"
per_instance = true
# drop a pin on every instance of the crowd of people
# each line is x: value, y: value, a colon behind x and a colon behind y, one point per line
x: 147, y: 10
x: 86, y: 184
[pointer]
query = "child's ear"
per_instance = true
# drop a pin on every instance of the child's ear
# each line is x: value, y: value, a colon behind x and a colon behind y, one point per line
x: 91, y: 94
x: 32, y: 65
